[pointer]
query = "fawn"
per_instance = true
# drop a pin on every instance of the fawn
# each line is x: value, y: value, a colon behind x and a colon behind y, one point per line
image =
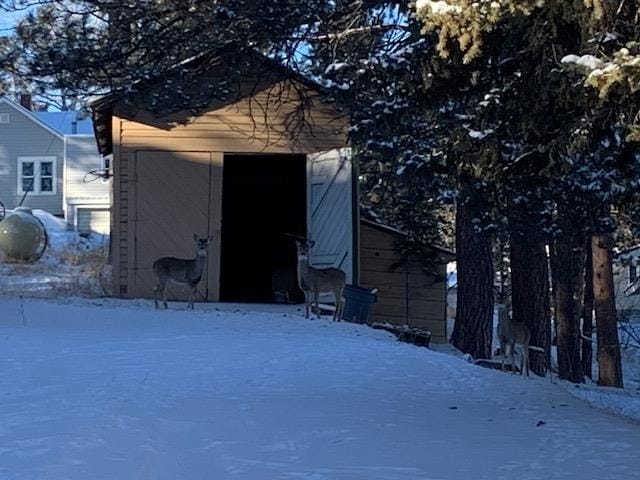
x: 181, y: 270
x: 314, y: 281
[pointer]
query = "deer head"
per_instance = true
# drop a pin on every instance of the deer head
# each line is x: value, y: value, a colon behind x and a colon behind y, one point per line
x: 202, y: 244
x: 303, y: 246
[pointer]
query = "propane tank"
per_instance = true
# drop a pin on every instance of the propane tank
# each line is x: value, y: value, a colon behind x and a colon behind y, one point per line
x: 23, y: 237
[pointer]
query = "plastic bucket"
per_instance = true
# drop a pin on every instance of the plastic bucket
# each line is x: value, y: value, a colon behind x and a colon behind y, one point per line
x: 357, y: 303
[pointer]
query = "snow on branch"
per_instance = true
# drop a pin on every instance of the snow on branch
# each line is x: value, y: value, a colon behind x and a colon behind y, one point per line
x: 439, y: 6
x: 590, y: 62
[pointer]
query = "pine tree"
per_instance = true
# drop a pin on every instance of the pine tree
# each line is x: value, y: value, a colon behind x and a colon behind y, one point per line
x: 567, y: 127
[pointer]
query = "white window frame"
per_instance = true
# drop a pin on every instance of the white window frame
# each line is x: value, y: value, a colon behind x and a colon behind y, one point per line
x: 107, y: 161
x: 5, y: 118
x: 106, y: 164
x: 36, y: 170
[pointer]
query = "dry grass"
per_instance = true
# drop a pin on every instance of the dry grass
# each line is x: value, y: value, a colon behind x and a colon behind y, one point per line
x: 76, y: 270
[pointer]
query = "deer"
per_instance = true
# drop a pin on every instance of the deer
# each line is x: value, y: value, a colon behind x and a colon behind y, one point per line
x: 314, y: 281
x: 181, y: 270
x: 510, y: 334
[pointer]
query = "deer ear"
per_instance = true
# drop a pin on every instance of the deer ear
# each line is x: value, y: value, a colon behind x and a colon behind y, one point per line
x: 195, y: 237
x: 311, y: 243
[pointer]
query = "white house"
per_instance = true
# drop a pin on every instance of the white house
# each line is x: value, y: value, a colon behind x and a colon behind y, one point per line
x: 50, y: 161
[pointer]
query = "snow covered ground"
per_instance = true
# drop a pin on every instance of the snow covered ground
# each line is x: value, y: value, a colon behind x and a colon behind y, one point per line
x: 110, y: 389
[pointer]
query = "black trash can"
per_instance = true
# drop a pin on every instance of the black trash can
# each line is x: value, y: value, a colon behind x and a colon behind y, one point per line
x: 357, y: 303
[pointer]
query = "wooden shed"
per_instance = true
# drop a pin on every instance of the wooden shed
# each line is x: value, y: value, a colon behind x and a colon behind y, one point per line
x: 410, y: 292
x: 270, y: 158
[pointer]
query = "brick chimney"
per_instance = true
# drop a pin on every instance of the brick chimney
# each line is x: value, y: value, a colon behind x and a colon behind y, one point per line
x: 25, y: 101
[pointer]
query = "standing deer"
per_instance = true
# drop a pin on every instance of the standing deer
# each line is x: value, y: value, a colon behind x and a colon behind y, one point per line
x: 181, y: 270
x: 510, y: 334
x: 314, y: 281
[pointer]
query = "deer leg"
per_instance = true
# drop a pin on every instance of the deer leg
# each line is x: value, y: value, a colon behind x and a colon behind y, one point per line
x: 503, y: 350
x: 337, y: 314
x: 512, y: 353
x: 525, y: 358
x: 160, y: 291
x: 316, y: 297
x: 306, y: 304
x: 164, y: 296
x: 194, y: 291
x: 155, y: 295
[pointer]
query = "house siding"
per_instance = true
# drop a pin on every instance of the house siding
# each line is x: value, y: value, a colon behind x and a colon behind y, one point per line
x: 259, y: 122
x: 22, y: 137
x: 92, y: 219
x: 82, y: 157
x: 82, y: 191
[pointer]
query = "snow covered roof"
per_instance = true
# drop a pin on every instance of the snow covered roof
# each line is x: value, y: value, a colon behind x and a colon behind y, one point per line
x: 628, y: 251
x: 105, y: 100
x: 101, y: 105
x: 67, y: 123
x: 59, y: 123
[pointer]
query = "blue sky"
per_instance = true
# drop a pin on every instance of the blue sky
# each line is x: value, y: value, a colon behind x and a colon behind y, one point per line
x: 7, y: 20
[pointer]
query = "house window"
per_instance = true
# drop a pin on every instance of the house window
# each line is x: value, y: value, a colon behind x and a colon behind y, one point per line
x: 4, y: 118
x: 37, y: 175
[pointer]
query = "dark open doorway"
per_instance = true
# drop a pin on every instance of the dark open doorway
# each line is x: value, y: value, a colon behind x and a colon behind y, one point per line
x: 263, y: 198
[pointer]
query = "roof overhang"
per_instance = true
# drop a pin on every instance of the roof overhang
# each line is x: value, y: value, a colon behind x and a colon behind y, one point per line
x: 102, y: 106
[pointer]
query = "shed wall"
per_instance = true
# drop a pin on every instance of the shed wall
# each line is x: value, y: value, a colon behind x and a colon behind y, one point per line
x: 407, y: 294
x: 172, y: 201
x: 262, y: 122
x: 269, y: 121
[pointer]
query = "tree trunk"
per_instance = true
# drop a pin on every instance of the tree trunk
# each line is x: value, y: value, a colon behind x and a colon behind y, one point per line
x: 568, y: 262
x: 587, y: 313
x: 530, y: 289
x: 609, y: 360
x: 474, y: 313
